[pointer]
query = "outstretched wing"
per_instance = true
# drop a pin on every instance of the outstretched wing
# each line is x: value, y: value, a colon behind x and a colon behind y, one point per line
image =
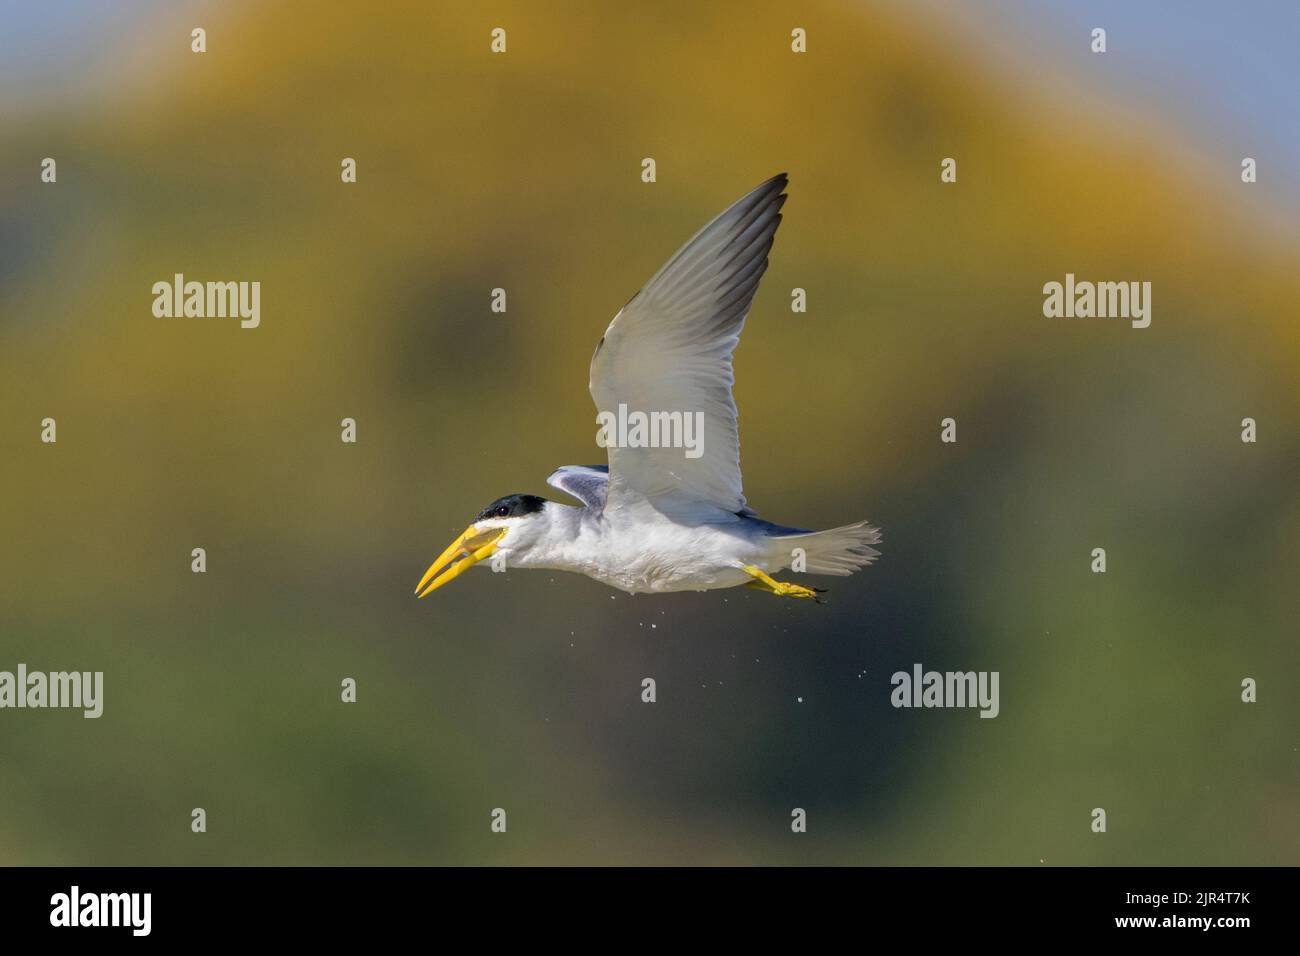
x: 669, y: 351
x: 587, y: 483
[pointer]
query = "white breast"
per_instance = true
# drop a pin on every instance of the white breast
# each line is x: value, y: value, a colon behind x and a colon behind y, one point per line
x: 641, y: 550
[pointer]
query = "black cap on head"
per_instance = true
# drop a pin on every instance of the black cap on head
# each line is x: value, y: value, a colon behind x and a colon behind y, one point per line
x: 512, y: 506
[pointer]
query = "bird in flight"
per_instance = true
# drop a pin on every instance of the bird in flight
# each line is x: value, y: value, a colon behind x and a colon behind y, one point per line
x: 664, y: 514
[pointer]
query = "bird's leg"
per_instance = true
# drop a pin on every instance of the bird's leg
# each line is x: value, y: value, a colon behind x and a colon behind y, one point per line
x: 780, y: 588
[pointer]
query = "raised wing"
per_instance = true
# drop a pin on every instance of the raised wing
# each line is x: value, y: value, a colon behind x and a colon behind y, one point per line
x: 587, y: 483
x: 669, y: 351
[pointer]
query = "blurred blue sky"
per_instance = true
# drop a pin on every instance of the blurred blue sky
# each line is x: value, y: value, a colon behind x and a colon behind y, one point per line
x: 1224, y: 71
x: 40, y: 37
x: 53, y: 48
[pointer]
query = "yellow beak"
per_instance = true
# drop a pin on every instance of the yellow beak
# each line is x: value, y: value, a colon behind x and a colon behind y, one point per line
x: 461, y: 555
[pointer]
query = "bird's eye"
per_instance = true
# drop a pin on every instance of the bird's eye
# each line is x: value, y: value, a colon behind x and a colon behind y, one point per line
x: 503, y: 511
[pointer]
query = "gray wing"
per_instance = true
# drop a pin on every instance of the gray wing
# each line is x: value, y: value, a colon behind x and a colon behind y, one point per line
x: 587, y: 483
x: 669, y: 350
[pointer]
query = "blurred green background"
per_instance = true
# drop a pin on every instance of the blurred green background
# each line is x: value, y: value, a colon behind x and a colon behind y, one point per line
x: 521, y: 690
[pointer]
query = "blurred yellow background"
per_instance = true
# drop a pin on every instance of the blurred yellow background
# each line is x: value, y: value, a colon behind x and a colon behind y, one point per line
x: 521, y: 691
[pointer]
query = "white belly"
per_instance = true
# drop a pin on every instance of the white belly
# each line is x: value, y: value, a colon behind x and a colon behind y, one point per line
x: 656, y: 555
x: 662, y: 571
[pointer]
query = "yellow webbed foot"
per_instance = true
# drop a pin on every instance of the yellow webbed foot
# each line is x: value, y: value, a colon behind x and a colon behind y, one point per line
x: 780, y: 588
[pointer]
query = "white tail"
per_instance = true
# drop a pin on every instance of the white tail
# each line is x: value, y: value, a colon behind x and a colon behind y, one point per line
x: 837, y: 551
